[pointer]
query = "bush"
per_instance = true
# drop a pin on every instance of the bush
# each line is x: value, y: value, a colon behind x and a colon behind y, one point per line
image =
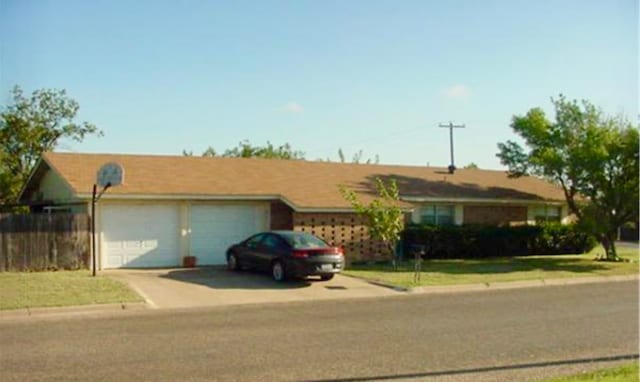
x: 556, y: 238
x: 473, y: 241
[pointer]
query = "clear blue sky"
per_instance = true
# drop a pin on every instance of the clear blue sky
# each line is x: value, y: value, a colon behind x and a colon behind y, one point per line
x: 379, y: 76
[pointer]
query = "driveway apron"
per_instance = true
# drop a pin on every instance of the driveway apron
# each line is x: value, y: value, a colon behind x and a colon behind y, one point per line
x: 201, y: 287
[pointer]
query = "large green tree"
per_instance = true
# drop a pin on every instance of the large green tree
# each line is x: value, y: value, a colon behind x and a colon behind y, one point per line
x: 31, y: 125
x: 593, y: 157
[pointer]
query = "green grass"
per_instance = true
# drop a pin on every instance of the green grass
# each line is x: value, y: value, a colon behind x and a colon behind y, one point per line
x: 62, y: 288
x: 626, y: 373
x: 450, y: 272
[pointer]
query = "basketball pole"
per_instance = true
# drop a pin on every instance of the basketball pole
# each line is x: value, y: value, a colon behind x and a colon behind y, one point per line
x: 94, y: 199
x: 93, y: 231
x: 110, y: 174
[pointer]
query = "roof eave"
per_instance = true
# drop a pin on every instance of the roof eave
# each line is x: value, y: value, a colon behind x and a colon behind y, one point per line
x: 224, y: 198
x: 43, y: 160
x: 431, y: 199
x: 26, y: 184
x: 195, y: 197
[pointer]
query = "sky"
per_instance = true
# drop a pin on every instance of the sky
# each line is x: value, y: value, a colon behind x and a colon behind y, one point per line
x: 159, y: 77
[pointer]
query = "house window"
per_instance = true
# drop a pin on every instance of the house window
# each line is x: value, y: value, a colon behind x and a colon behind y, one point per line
x: 436, y: 215
x: 547, y: 214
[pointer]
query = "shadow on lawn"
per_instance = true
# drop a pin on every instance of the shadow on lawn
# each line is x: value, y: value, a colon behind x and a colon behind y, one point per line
x: 496, y: 266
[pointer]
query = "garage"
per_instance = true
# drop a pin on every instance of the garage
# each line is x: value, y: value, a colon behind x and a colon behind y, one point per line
x: 140, y: 235
x: 216, y: 227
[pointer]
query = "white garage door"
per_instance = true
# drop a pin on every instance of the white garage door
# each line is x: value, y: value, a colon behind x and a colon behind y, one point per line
x: 140, y: 236
x: 215, y: 228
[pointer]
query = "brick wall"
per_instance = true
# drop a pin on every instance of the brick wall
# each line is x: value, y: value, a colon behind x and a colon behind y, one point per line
x: 281, y: 216
x: 495, y: 215
x: 347, y: 230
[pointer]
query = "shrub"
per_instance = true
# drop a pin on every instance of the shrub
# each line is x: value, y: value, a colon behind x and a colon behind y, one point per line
x: 474, y: 241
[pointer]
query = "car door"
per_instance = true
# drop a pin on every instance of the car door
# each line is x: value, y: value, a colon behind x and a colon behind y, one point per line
x: 271, y: 247
x: 250, y: 251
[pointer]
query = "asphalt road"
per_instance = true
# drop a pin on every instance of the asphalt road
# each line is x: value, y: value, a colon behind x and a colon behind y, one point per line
x: 505, y: 335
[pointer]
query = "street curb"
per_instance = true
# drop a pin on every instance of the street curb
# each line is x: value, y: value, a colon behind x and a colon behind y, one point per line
x: 384, y: 285
x: 77, y: 310
x: 502, y: 285
x: 149, y: 304
x: 87, y: 310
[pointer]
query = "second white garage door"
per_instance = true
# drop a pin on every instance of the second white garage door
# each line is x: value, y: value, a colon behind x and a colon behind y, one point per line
x: 216, y: 227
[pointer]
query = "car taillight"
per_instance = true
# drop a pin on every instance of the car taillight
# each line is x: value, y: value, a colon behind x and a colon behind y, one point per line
x: 339, y: 251
x: 300, y: 254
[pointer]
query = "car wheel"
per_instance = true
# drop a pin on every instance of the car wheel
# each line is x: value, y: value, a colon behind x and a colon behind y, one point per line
x: 277, y: 271
x: 326, y: 277
x: 232, y: 262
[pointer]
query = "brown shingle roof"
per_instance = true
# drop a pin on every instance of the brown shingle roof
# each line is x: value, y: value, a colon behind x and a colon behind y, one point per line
x: 305, y: 184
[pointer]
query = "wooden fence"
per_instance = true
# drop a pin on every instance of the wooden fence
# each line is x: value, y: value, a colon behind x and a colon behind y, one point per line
x: 37, y: 242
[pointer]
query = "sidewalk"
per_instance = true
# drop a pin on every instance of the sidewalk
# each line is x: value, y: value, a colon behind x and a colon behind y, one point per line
x: 507, y: 284
x: 68, y: 311
x: 95, y: 310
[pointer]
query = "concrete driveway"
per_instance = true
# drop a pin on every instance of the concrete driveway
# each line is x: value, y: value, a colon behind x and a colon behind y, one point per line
x: 208, y: 286
x: 628, y: 244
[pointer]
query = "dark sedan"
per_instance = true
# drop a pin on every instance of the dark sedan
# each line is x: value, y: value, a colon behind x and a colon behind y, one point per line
x: 287, y: 254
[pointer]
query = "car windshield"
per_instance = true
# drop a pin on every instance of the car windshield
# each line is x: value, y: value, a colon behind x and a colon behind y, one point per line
x: 303, y: 240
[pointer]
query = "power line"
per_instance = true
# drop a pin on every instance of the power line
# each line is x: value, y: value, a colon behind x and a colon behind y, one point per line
x: 376, y: 139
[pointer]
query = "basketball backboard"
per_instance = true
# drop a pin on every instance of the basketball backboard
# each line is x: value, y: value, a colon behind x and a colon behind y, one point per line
x: 111, y: 174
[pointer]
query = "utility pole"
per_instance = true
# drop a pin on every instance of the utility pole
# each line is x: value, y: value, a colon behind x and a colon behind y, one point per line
x: 451, y: 126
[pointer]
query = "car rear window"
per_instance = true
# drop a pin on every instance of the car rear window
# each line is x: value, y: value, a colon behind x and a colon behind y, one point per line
x: 304, y: 240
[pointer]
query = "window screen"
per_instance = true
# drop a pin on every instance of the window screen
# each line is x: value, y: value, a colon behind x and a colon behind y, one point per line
x: 547, y: 214
x: 436, y: 214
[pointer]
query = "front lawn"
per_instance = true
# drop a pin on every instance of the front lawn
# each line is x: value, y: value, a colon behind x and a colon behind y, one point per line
x: 449, y: 272
x: 626, y: 373
x: 61, y: 288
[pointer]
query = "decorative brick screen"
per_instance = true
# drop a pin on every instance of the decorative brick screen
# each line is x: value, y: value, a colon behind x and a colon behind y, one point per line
x: 341, y: 229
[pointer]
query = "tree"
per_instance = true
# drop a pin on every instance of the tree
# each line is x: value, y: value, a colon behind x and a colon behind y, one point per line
x: 246, y: 150
x: 385, y: 219
x: 471, y: 166
x: 209, y: 152
x: 6, y: 181
x: 357, y: 158
x: 594, y: 158
x: 31, y: 125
